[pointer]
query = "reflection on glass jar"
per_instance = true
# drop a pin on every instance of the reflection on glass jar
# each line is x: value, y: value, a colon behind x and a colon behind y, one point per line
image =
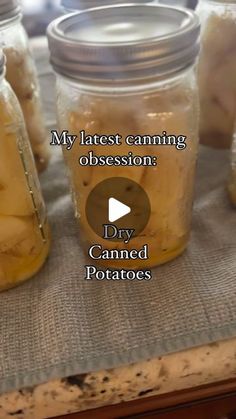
x: 217, y: 72
x: 24, y: 231
x: 136, y: 103
x: 21, y: 74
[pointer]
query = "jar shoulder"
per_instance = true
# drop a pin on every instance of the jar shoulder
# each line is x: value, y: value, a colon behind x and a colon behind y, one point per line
x: 13, y: 34
x: 10, y: 110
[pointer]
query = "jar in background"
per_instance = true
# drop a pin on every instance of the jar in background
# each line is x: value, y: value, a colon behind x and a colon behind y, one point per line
x: 232, y: 180
x: 24, y: 231
x: 217, y: 72
x: 70, y: 6
x: 21, y: 74
x: 139, y: 88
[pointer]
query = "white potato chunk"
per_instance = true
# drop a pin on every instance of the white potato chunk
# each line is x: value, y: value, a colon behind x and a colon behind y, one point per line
x: 15, y: 198
x: 16, y: 236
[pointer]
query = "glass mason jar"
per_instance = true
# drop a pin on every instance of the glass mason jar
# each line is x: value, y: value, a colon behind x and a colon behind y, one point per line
x: 232, y: 180
x: 70, y: 6
x: 108, y: 87
x: 217, y: 72
x: 21, y: 74
x: 24, y: 231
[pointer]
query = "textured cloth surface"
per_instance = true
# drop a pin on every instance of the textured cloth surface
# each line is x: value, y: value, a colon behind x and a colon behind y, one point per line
x: 58, y: 324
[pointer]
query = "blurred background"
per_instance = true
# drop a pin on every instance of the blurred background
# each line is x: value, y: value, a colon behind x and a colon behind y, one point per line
x: 38, y: 14
x: 32, y: 6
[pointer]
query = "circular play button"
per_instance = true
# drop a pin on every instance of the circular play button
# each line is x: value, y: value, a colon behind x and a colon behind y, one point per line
x: 118, y: 201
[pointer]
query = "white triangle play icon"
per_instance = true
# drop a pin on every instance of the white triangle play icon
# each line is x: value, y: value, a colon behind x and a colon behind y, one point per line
x: 117, y: 210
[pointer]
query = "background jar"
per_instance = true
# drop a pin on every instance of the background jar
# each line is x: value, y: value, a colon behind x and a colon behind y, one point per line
x: 129, y: 98
x: 24, y: 231
x: 21, y: 74
x: 217, y: 72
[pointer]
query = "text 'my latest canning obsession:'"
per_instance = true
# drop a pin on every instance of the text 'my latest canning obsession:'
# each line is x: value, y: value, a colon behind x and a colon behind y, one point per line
x: 67, y: 140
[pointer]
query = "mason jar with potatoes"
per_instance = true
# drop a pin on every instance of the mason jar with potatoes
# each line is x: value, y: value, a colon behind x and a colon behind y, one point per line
x: 217, y: 72
x: 24, y: 230
x: 105, y: 86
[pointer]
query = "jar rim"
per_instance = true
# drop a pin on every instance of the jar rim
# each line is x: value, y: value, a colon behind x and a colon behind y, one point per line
x: 124, y: 42
x: 9, y: 9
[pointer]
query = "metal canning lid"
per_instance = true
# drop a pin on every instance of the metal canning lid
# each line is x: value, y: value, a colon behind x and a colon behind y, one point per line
x: 9, y: 9
x: 74, y: 5
x: 124, y: 42
x: 2, y: 62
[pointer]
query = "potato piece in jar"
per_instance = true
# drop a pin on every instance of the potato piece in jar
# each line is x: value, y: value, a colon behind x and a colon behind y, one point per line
x: 2, y: 275
x: 22, y: 250
x: 21, y: 74
x: 13, y: 199
x: 232, y: 184
x: 14, y: 232
x: 97, y: 118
